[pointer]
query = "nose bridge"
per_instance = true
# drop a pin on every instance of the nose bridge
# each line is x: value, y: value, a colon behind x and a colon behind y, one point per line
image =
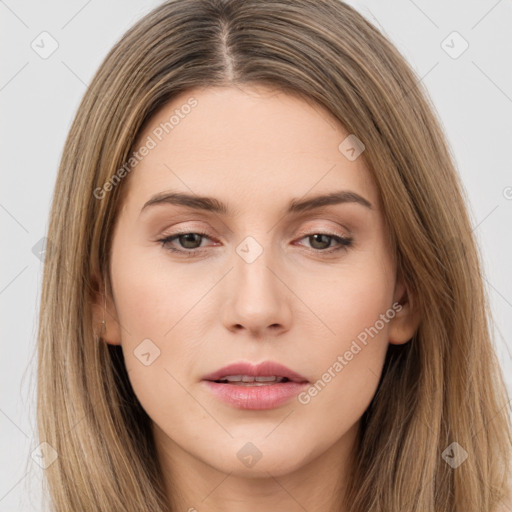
x: 251, y: 267
x: 258, y: 297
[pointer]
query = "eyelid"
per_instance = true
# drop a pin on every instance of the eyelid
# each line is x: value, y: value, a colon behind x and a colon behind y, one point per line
x: 302, y: 232
x: 175, y: 234
x: 341, y: 231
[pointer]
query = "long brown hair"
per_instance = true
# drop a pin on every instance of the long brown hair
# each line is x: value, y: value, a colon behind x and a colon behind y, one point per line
x: 443, y: 387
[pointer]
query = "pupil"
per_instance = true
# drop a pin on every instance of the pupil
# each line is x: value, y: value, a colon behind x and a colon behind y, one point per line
x: 315, y: 238
x: 189, y: 238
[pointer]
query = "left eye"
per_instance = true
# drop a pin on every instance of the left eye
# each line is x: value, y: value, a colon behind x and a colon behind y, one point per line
x: 191, y: 242
x: 320, y: 238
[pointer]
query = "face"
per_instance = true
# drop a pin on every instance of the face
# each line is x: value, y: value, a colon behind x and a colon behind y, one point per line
x: 270, y: 276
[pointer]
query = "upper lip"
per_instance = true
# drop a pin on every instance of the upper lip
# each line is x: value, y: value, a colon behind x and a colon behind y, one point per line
x: 264, y: 369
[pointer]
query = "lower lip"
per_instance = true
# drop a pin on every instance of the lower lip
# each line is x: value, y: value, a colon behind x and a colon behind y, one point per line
x: 256, y: 397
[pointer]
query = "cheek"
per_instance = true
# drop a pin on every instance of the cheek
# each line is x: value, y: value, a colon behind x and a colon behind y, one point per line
x: 150, y: 296
x: 152, y: 304
x: 354, y: 297
x: 356, y: 307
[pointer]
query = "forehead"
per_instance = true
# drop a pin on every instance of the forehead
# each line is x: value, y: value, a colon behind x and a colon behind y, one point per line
x: 244, y: 145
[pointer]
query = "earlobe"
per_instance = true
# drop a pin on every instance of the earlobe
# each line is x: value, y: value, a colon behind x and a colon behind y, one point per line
x: 407, y: 318
x: 105, y: 323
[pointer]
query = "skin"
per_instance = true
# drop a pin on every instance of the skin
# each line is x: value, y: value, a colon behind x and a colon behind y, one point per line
x: 254, y: 149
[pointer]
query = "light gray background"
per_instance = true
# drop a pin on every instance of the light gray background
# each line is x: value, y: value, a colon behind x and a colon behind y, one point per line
x: 472, y: 94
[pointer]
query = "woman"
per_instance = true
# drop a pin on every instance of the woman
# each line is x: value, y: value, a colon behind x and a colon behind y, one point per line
x: 262, y: 290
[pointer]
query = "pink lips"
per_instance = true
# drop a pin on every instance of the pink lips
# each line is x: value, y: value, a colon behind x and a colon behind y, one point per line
x: 265, y: 369
x: 256, y: 397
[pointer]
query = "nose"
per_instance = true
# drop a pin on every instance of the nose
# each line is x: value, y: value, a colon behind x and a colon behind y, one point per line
x: 258, y: 299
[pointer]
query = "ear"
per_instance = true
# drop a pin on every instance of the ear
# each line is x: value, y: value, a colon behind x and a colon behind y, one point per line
x: 407, y: 318
x: 104, y: 309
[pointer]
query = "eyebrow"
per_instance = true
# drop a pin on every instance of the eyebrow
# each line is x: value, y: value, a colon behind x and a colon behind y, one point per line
x: 212, y: 204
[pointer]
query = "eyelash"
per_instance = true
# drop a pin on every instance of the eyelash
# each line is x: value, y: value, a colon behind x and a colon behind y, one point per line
x: 344, y: 242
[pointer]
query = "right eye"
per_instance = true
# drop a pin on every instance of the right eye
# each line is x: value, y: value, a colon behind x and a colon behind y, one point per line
x: 187, y: 239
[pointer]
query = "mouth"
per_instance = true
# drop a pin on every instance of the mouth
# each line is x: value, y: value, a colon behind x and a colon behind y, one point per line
x: 264, y: 386
x: 247, y: 380
x: 243, y: 373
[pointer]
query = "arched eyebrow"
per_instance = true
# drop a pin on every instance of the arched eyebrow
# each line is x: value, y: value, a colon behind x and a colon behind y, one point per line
x: 213, y: 205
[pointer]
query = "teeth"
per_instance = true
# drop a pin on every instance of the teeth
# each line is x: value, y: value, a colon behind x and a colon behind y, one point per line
x: 273, y: 378
x: 233, y: 378
x: 248, y: 378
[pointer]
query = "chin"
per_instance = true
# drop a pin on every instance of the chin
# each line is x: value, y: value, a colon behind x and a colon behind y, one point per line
x: 253, y: 459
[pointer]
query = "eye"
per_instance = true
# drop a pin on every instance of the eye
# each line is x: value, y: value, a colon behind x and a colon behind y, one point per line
x: 190, y: 242
x: 322, y: 241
